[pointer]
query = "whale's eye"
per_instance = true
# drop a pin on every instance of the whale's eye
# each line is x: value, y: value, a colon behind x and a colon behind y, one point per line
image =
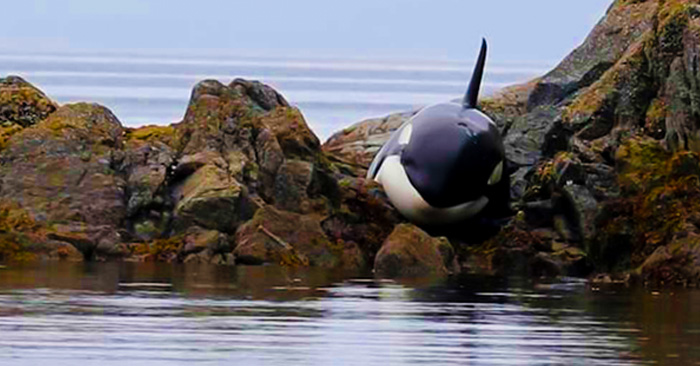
x: 405, y: 136
x: 496, y: 175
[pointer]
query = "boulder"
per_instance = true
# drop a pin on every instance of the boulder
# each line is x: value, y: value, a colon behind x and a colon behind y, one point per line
x: 601, y: 135
x: 677, y: 263
x: 411, y: 252
x: 528, y: 134
x: 180, y: 192
x: 287, y: 238
x: 623, y: 24
x: 62, y: 171
x: 210, y: 198
x: 239, y: 147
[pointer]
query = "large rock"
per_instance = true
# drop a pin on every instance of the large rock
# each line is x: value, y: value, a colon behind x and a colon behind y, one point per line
x: 411, y: 252
x: 210, y: 198
x: 239, y: 147
x: 287, y: 238
x: 677, y: 263
x: 62, y: 171
x: 623, y: 102
x: 257, y: 135
x: 624, y: 23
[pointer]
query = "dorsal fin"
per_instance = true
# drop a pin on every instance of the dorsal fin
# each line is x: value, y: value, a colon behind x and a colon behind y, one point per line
x: 472, y: 95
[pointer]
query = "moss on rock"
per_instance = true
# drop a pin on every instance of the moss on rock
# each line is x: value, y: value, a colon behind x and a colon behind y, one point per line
x: 22, y: 104
x: 15, y: 224
x: 660, y: 201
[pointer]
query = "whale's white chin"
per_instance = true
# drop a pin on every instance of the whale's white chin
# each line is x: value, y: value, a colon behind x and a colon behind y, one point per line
x: 392, y: 176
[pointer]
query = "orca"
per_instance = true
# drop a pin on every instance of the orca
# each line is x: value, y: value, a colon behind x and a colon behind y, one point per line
x: 445, y: 165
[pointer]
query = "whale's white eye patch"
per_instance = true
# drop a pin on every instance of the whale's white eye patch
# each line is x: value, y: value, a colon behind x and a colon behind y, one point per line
x: 405, y: 136
x: 496, y: 175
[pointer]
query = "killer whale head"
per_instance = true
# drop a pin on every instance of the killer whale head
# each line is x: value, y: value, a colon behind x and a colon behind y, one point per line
x: 448, y: 157
x: 454, y: 156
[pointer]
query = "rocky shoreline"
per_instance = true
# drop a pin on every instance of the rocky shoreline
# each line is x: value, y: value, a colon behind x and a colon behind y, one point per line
x: 602, y: 150
x: 603, y: 154
x: 240, y: 180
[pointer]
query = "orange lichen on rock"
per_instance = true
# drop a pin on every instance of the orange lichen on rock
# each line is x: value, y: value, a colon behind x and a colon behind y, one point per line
x: 151, y: 134
x: 17, y: 229
x: 21, y: 103
x: 659, y: 203
x: 6, y: 133
x: 165, y: 250
x: 655, y: 119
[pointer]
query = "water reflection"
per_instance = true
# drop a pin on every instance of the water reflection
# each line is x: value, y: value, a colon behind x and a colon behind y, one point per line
x: 161, y: 314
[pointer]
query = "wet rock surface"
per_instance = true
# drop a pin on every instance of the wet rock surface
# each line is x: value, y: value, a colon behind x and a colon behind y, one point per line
x: 62, y: 171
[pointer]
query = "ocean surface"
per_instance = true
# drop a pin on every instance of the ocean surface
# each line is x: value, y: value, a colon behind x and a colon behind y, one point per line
x: 157, y: 314
x: 332, y: 93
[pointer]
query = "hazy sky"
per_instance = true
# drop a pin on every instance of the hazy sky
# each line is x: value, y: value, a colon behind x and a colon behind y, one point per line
x: 517, y: 30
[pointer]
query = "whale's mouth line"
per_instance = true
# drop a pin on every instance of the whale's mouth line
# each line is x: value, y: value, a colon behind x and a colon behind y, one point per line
x: 433, y: 189
x: 404, y: 196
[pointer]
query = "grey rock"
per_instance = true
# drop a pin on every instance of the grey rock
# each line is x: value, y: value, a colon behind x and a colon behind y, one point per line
x: 583, y: 209
x: 527, y: 135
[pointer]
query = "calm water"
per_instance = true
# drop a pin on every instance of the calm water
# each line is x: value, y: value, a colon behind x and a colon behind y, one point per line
x: 109, y: 314
x: 332, y: 93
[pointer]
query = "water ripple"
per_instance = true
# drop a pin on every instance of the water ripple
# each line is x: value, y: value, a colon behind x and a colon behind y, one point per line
x: 348, y: 323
